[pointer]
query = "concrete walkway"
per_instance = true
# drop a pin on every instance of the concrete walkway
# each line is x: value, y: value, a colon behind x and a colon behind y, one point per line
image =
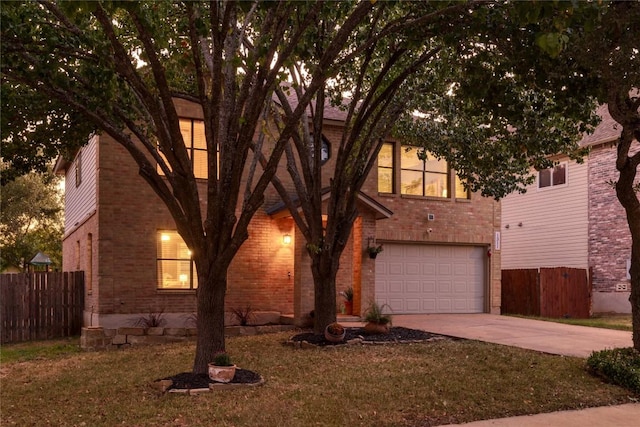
x: 547, y: 337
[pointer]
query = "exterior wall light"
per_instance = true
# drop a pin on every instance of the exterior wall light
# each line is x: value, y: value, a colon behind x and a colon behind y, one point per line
x: 286, y: 239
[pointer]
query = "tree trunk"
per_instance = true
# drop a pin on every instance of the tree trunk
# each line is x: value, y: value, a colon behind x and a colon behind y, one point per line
x: 627, y: 197
x: 211, y: 292
x: 324, y: 271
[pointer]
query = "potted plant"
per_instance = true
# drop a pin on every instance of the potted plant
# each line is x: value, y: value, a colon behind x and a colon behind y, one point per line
x: 222, y: 370
x: 348, y: 300
x: 374, y: 250
x: 377, y: 321
x: 334, y: 332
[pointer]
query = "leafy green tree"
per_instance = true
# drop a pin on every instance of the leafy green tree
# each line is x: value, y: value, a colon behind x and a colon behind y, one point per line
x: 472, y: 71
x: 31, y: 220
x: 120, y: 65
x: 523, y: 89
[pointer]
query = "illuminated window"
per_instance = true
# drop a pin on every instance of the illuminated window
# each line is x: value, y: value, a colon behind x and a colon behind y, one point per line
x: 429, y: 177
x: 385, y: 168
x: 196, y: 144
x: 175, y: 267
x: 553, y: 177
x: 461, y: 192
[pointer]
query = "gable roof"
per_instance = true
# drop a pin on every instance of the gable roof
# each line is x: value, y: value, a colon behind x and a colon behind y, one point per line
x: 279, y: 210
x: 607, y: 131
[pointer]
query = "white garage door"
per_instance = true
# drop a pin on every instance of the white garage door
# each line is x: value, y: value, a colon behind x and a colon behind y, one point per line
x: 431, y: 278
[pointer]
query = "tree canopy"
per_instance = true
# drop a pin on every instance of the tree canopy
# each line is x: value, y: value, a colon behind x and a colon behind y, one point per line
x: 492, y: 102
x: 31, y: 220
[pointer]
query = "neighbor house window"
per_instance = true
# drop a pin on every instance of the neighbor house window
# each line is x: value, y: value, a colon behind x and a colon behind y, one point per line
x: 385, y: 168
x: 174, y: 264
x: 196, y: 144
x: 78, y: 169
x: 552, y: 177
x: 429, y: 177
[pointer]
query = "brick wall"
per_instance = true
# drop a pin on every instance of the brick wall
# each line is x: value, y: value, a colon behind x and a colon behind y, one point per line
x: 263, y: 274
x: 609, y: 235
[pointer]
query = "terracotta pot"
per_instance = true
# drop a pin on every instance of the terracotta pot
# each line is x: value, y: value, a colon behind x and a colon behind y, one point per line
x: 348, y: 307
x: 333, y: 337
x: 376, y: 328
x: 221, y: 374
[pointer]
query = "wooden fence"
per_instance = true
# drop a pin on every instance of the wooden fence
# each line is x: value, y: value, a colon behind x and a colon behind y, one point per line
x: 547, y: 292
x: 41, y: 305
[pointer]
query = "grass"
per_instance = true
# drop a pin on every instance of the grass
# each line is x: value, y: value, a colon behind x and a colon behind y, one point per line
x: 621, y: 322
x: 392, y: 385
x: 38, y: 350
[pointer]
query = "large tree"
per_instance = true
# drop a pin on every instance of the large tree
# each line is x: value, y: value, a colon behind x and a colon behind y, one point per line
x: 120, y: 65
x: 470, y: 70
x: 525, y: 93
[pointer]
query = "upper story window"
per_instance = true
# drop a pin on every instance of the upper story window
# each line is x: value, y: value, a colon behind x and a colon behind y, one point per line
x: 78, y: 168
x: 553, y: 177
x: 386, y: 160
x: 196, y: 144
x: 460, y: 191
x: 325, y: 150
x: 429, y: 178
x: 175, y: 268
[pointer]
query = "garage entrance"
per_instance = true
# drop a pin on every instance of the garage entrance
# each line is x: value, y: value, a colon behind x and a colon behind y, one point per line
x: 422, y: 279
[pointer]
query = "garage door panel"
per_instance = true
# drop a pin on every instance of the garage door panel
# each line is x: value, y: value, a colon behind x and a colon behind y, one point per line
x: 412, y: 269
x: 394, y: 287
x: 393, y: 268
x: 429, y: 268
x: 396, y: 305
x: 413, y: 287
x: 412, y: 305
x: 429, y: 287
x: 428, y: 305
x: 415, y: 278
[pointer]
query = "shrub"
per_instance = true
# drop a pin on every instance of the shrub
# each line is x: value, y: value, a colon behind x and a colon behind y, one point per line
x: 375, y: 314
x: 243, y: 314
x: 151, y: 320
x: 620, y: 366
x: 222, y: 359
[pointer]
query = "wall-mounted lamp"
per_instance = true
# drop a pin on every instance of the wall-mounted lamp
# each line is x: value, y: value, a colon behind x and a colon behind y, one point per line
x: 286, y: 239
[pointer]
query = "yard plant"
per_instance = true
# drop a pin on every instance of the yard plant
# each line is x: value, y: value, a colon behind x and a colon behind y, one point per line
x: 432, y: 383
x: 620, y: 366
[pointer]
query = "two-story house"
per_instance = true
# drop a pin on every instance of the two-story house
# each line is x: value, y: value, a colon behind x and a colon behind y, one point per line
x: 570, y: 217
x: 438, y: 240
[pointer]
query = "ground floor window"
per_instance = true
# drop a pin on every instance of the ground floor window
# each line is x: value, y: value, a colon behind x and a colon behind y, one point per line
x: 175, y: 268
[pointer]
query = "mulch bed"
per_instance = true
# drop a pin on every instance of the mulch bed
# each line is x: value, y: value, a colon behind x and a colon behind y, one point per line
x: 190, y: 381
x: 395, y: 335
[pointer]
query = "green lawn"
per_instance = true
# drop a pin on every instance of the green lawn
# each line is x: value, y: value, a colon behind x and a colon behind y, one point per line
x: 390, y: 385
x: 620, y: 322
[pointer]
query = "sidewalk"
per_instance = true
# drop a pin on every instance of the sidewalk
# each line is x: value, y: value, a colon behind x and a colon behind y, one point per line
x: 619, y: 416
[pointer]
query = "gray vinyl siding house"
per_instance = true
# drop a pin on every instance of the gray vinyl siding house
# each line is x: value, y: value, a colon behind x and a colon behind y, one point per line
x: 577, y: 223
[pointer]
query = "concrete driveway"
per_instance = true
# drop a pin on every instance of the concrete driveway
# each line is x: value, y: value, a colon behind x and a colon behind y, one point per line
x: 548, y: 337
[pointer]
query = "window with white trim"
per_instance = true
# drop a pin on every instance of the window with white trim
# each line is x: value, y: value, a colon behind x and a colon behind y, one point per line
x: 175, y: 268
x: 553, y: 177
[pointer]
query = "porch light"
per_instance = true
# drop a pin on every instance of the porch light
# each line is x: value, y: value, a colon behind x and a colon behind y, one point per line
x: 286, y: 239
